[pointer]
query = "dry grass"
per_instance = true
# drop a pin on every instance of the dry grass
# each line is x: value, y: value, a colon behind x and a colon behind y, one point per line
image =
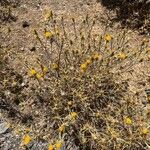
x: 75, y: 93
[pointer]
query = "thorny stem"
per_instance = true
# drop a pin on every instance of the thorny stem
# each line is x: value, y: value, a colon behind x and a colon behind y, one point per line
x: 74, y: 27
x: 63, y: 26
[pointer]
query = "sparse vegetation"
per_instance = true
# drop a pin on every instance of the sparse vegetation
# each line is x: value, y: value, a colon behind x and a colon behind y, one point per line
x: 132, y: 14
x: 77, y: 93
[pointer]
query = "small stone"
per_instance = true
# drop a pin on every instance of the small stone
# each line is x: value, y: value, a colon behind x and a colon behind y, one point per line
x: 32, y: 49
x: 25, y: 24
x: 3, y: 128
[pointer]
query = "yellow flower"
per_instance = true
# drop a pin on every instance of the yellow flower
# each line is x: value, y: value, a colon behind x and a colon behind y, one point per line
x: 48, y: 15
x: 144, y: 131
x: 26, y: 139
x: 5, y: 82
x: 59, y: 145
x: 39, y: 76
x: 51, y: 147
x: 83, y: 67
x: 108, y: 38
x: 94, y: 136
x: 114, y: 134
x: 14, y: 83
x: 74, y: 115
x: 62, y: 128
x: 96, y: 56
x: 48, y: 34
x: 88, y: 61
x: 121, y: 56
x: 128, y: 121
x: 70, y: 103
x: 97, y: 114
x: 33, y: 72
x: 45, y: 70
x: 55, y: 66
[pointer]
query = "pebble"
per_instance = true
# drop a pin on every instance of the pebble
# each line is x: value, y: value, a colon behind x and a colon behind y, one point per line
x: 3, y: 127
x: 25, y: 24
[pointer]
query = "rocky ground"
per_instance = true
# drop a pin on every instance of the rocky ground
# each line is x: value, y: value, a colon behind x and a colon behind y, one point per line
x: 17, y: 21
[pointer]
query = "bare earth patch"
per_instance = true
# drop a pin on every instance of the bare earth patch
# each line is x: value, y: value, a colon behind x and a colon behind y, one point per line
x: 83, y: 85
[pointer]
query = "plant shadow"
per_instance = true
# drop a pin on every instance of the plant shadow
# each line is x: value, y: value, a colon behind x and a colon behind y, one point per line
x: 132, y: 14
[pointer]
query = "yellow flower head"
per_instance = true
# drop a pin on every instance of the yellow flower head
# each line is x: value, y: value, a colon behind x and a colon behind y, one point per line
x: 74, y: 115
x: 97, y: 114
x: 32, y: 72
x: 88, y: 61
x: 128, y: 121
x: 83, y: 67
x: 121, y: 56
x: 45, y: 70
x: 144, y: 131
x: 48, y: 34
x: 55, y: 66
x: 26, y: 139
x: 39, y: 76
x: 51, y: 147
x: 70, y: 103
x: 59, y: 145
x: 114, y: 134
x: 94, y: 136
x: 48, y: 15
x: 61, y: 128
x: 96, y: 56
x: 108, y: 37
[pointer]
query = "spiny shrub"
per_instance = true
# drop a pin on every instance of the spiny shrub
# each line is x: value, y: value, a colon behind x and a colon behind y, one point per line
x: 77, y: 87
x: 80, y: 82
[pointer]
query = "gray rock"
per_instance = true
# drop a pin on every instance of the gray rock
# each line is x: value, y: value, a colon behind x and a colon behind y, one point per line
x: 3, y: 127
x: 38, y: 145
